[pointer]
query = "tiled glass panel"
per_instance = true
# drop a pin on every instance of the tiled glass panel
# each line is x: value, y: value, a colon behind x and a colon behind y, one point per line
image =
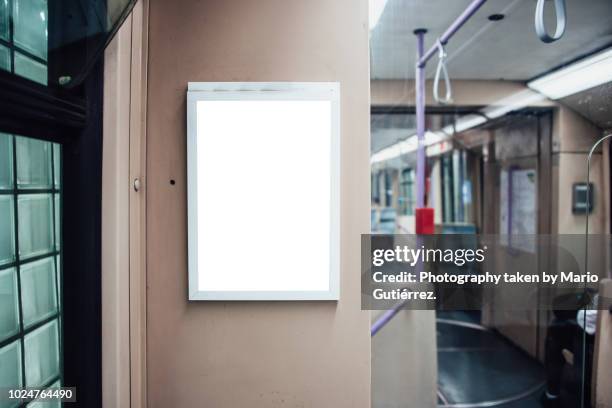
x: 33, y: 163
x: 58, y: 281
x: 38, y: 295
x: 5, y: 57
x: 42, y: 355
x: 30, y: 69
x: 7, y: 229
x: 10, y: 368
x: 30, y: 26
x: 57, y: 223
x: 6, y: 160
x: 4, y: 20
x: 52, y: 403
x: 9, y: 307
x: 35, y: 224
x: 29, y: 291
x: 49, y: 403
x: 56, y: 164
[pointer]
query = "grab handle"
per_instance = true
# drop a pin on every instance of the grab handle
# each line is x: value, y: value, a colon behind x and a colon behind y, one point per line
x: 441, y: 70
x: 540, y: 27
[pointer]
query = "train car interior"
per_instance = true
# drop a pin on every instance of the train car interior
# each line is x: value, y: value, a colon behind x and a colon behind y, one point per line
x: 512, y: 111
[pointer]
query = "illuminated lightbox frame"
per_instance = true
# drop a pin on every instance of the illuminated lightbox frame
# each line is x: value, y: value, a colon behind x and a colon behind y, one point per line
x: 263, y: 185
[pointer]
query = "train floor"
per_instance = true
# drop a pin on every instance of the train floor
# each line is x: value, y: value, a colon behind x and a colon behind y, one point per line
x: 480, y: 368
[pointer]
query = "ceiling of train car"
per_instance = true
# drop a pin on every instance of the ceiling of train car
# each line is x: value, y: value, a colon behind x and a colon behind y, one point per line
x: 594, y: 104
x: 508, y: 49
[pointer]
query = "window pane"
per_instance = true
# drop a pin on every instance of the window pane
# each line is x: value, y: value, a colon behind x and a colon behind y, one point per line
x: 30, y: 26
x: 53, y: 403
x: 38, y: 295
x: 49, y: 403
x: 9, y: 308
x: 5, y: 57
x: 10, y: 368
x: 42, y: 355
x: 33, y: 163
x: 56, y: 164
x: 58, y: 224
x: 58, y: 281
x: 30, y: 69
x: 6, y: 160
x: 35, y: 225
x: 7, y: 230
x: 4, y: 20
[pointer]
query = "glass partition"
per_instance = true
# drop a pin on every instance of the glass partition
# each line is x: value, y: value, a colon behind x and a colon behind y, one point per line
x: 30, y: 264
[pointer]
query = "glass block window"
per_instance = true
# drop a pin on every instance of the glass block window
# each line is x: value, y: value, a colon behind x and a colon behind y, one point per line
x: 30, y: 264
x: 24, y: 43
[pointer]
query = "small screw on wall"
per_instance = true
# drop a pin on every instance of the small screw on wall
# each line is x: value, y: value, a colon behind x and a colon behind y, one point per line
x: 136, y: 184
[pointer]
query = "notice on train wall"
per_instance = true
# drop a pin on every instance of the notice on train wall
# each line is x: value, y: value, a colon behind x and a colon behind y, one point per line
x: 517, y: 190
x: 457, y: 272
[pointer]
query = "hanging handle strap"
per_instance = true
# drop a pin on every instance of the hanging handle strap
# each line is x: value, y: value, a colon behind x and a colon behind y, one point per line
x: 441, y: 70
x: 540, y: 27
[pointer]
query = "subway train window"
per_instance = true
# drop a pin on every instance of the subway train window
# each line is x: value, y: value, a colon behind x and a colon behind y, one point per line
x: 498, y: 128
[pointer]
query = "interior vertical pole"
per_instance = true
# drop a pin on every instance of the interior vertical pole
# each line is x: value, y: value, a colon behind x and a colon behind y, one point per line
x: 420, y: 117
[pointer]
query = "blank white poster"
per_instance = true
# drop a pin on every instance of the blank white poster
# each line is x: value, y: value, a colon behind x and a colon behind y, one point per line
x: 263, y: 193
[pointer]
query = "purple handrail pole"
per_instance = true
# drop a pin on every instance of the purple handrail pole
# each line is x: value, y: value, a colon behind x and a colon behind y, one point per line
x: 385, y: 318
x: 422, y: 59
x: 420, y: 120
x: 450, y: 31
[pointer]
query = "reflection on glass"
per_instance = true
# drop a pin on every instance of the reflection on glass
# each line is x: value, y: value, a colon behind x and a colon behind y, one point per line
x: 24, y: 27
x: 6, y: 161
x: 5, y: 57
x: 47, y: 404
x: 30, y: 69
x: 41, y: 355
x: 10, y: 368
x: 7, y: 230
x: 56, y: 165
x: 35, y: 225
x: 57, y: 223
x: 4, y: 20
x: 9, y: 308
x: 30, y: 26
x: 29, y: 287
x: 38, y: 294
x: 58, y: 281
x: 33, y: 163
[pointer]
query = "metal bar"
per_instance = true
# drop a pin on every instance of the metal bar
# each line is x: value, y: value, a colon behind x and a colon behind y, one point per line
x: 422, y: 59
x: 385, y: 318
x: 450, y: 31
x: 420, y: 119
x: 420, y: 172
x: 586, y: 256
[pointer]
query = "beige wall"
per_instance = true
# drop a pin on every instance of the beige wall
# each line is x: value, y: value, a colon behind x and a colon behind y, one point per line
x: 247, y: 354
x: 405, y: 361
x: 123, y: 215
x: 573, y: 137
x: 115, y: 221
